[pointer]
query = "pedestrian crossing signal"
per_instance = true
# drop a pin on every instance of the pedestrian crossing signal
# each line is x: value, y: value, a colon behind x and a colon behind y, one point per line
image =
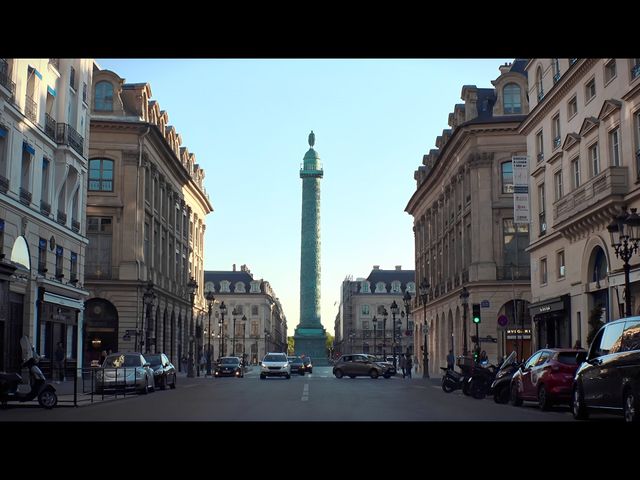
x: 476, y: 313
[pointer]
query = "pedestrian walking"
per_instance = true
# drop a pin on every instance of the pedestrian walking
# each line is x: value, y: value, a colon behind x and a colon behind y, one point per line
x: 451, y: 360
x: 408, y: 365
x: 403, y: 366
x: 58, y: 358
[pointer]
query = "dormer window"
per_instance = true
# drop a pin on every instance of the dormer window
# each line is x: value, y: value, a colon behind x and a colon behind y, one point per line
x: 512, y: 98
x: 364, y: 287
x: 240, y: 288
x: 255, y: 286
x: 395, y: 287
x: 103, y: 97
x: 381, y: 287
x: 224, y: 286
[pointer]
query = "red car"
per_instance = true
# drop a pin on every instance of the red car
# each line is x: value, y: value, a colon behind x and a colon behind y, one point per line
x: 547, y: 377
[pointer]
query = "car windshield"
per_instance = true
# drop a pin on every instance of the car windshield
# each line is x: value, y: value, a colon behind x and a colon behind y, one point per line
x: 306, y: 360
x: 154, y: 360
x: 297, y: 361
x: 275, y: 358
x: 119, y: 361
x: 229, y: 361
x: 572, y: 358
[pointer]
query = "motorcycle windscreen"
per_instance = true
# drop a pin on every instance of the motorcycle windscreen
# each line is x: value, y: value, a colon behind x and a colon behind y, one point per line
x: 510, y: 360
x: 27, y: 348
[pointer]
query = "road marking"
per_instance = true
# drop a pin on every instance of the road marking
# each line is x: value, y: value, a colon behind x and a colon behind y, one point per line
x: 305, y: 393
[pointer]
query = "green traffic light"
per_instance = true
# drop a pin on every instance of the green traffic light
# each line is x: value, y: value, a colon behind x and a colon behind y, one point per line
x: 476, y: 319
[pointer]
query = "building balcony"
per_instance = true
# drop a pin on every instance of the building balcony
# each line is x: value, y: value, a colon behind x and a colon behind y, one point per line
x: 25, y: 196
x: 62, y: 218
x: 4, y: 184
x: 45, y: 208
x: 515, y: 273
x: 31, y: 109
x: 50, y: 126
x: 75, y: 225
x: 55, y: 62
x: 67, y: 135
x: 5, y: 81
x: 613, y: 181
x: 556, y: 142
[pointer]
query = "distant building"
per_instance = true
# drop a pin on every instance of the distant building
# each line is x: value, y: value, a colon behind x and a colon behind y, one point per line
x: 254, y: 322
x: 44, y: 130
x: 363, y: 326
x: 464, y: 228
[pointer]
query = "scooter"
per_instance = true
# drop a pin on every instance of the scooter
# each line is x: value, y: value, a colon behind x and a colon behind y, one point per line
x: 481, y: 380
x: 452, y: 380
x: 501, y: 386
x: 9, y: 382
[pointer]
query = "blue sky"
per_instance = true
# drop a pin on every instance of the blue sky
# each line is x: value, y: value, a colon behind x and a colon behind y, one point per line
x: 247, y: 122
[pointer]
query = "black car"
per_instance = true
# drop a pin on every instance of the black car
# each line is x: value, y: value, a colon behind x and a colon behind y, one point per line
x: 164, y: 373
x: 297, y: 365
x: 229, y: 367
x: 308, y: 366
x: 609, y: 379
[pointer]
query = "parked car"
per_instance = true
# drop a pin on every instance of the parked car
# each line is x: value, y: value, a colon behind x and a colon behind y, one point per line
x: 308, y: 366
x: 275, y: 365
x: 125, y: 370
x: 547, y: 377
x: 229, y: 367
x: 387, y: 363
x: 609, y: 379
x: 297, y: 365
x: 164, y: 372
x: 362, y: 364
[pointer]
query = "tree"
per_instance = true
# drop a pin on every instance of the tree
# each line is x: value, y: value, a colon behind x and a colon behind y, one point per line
x: 595, y: 322
x: 290, y: 345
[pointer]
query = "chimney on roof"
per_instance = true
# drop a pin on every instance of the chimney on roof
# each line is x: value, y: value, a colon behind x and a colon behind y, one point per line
x: 376, y: 267
x: 398, y: 267
x: 234, y: 267
x: 505, y: 68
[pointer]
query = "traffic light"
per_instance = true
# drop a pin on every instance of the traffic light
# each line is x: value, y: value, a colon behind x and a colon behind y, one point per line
x: 476, y: 313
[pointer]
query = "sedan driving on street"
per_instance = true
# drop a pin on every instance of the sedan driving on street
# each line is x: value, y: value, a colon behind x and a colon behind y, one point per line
x: 229, y: 367
x: 275, y: 365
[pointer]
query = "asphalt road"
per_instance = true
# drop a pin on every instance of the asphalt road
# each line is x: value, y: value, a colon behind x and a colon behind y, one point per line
x: 312, y: 397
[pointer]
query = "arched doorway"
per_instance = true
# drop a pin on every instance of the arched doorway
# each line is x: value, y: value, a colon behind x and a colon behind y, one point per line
x: 515, y: 335
x: 100, y: 329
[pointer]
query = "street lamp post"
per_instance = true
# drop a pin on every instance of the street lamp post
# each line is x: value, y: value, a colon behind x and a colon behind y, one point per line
x: 192, y: 287
x: 424, y: 296
x: 267, y: 335
x: 385, y: 314
x: 244, y: 329
x: 223, y: 310
x: 394, y: 311
x: 625, y: 235
x: 235, y: 312
x: 375, y: 324
x: 210, y: 299
x: 407, y: 309
x: 148, y: 297
x: 464, y: 298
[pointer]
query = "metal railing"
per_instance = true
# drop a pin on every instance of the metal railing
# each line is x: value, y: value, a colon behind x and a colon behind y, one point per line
x: 540, y: 156
x: 45, y: 208
x: 4, y: 184
x: 556, y: 142
x: 635, y: 71
x: 25, y: 196
x: 30, y: 109
x: 67, y: 135
x: 62, y: 218
x: 50, y: 126
x: 75, y: 225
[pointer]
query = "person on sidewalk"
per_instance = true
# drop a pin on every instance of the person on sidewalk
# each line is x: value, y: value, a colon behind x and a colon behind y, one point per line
x: 403, y: 365
x: 451, y: 360
x: 408, y: 365
x: 58, y: 358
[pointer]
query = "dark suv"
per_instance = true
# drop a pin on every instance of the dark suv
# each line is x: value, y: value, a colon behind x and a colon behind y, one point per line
x: 609, y: 379
x: 359, y: 365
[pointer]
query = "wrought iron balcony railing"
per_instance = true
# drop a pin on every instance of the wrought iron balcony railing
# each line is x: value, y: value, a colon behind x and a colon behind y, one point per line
x: 5, y: 81
x: 50, y: 126
x: 635, y: 71
x: 45, y: 208
x: 517, y: 273
x: 62, y: 218
x: 67, y: 135
x: 75, y: 225
x: 25, y: 196
x: 31, y: 109
x: 4, y: 184
x: 540, y: 156
x: 556, y: 77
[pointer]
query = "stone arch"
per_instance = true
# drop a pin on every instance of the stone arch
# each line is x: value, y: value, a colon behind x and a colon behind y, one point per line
x: 596, y: 266
x: 20, y: 253
x: 101, y: 323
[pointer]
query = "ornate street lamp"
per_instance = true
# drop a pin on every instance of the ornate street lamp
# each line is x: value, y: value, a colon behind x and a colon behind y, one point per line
x: 375, y: 324
x: 385, y: 314
x: 394, y: 311
x: 464, y: 298
x: 235, y: 312
x: 424, y: 296
x: 625, y: 235
x: 192, y: 287
x: 210, y: 301
x: 223, y: 310
x: 244, y: 329
x: 407, y: 309
x: 148, y: 298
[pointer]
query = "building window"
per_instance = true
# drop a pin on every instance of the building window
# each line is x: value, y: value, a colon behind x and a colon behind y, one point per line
x: 103, y: 97
x: 73, y: 270
x: 594, y: 159
x: 44, y: 193
x: 512, y: 98
x: 635, y: 68
x: 101, y: 175
x: 25, y: 177
x: 561, y: 265
x: 72, y: 78
x: 507, y: 177
x: 539, y: 146
x: 575, y: 172
x: 557, y: 180
x: 543, y: 271
x: 366, y: 325
x: 541, y: 216
x: 239, y: 288
x: 147, y: 244
x: 614, y: 140
x: 381, y: 287
x: 98, y: 253
x: 572, y: 107
x: 254, y: 310
x: 636, y: 120
x: 539, y: 89
x: 59, y: 260
x: 555, y: 65
x: 395, y: 287
x: 364, y: 310
x: 515, y: 239
x: 556, y: 131
x: 364, y: 287
x: 590, y: 90
x: 610, y: 70
x: 42, y: 256
x: 3, y: 155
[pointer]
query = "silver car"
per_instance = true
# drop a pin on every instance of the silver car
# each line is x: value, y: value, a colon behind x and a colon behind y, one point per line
x: 275, y: 365
x: 124, y: 370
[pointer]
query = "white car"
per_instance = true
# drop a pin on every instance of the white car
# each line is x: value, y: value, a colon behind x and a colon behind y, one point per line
x: 275, y: 365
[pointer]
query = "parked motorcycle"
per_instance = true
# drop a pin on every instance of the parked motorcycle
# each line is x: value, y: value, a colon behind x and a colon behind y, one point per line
x: 481, y: 380
x: 9, y: 382
x: 452, y: 380
x: 501, y: 386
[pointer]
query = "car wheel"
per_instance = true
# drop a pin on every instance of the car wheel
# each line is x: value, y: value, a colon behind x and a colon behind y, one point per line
x: 578, y: 408
x: 262, y: 376
x: 501, y: 395
x: 516, y: 401
x: 173, y: 385
x: 631, y: 407
x: 543, y: 398
x: 446, y: 387
x: 288, y: 376
x: 338, y: 373
x: 374, y: 373
x: 387, y: 376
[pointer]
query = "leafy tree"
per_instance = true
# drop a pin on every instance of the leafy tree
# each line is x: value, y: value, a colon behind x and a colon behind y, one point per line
x: 595, y: 322
x: 290, y: 345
